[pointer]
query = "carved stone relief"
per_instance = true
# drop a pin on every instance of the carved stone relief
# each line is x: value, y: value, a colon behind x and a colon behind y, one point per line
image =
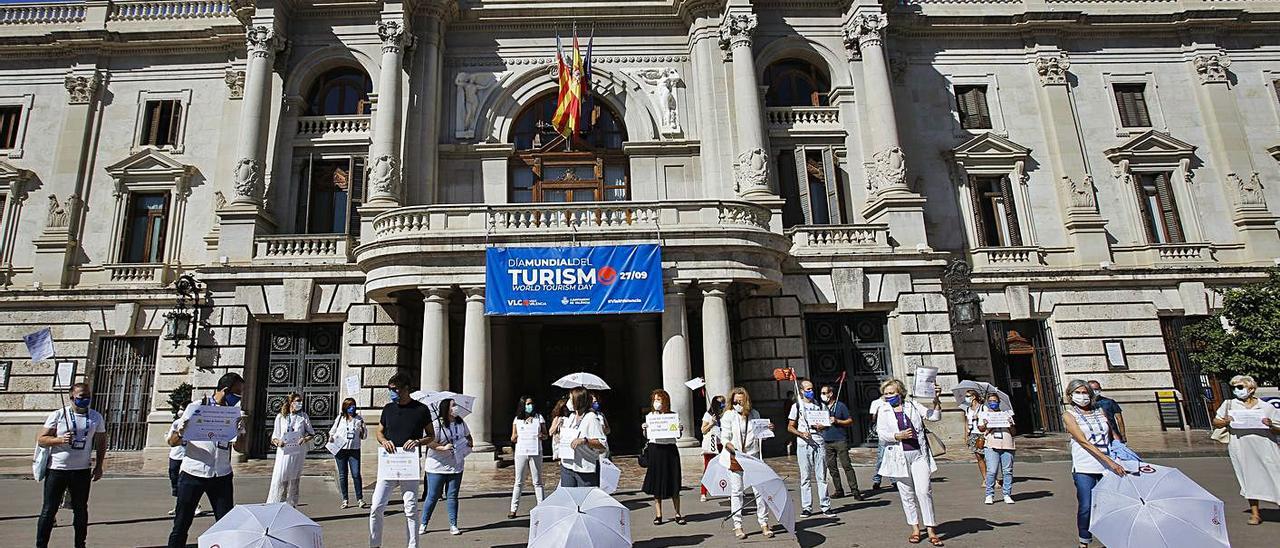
x: 81, y: 87
x: 751, y: 172
x: 384, y: 175
x: 1212, y: 68
x: 235, y: 83
x: 248, y: 179
x: 1053, y: 69
x: 1081, y: 192
x: 888, y: 168
x: 473, y: 89
x: 661, y: 86
x: 1248, y: 191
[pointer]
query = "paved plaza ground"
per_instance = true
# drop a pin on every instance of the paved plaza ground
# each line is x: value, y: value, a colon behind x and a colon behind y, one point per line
x: 131, y: 511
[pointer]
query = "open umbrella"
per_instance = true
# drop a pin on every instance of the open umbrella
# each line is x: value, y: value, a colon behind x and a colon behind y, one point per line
x: 432, y: 399
x: 585, y: 380
x: 983, y: 389
x: 275, y: 525
x: 1156, y: 507
x: 756, y: 475
x: 579, y: 516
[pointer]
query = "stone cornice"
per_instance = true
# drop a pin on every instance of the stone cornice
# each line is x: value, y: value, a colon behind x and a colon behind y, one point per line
x: 1076, y: 23
x: 526, y: 61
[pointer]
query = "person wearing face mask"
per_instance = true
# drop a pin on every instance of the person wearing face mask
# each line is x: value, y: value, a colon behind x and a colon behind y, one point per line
x: 595, y: 408
x: 528, y: 449
x: 405, y: 425
x: 176, y: 454
x: 291, y: 437
x: 711, y: 434
x: 662, y: 475
x: 349, y: 429
x: 737, y: 435
x: 998, y: 450
x: 908, y: 459
x: 581, y: 442
x: 1253, y: 448
x: 836, y: 443
x: 73, y: 434
x: 1115, y: 415
x: 1090, y: 450
x: 446, y: 455
x: 810, y: 451
x: 974, y: 440
x: 206, y: 467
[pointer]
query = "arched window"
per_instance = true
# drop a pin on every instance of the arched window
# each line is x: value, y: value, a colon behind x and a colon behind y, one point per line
x: 340, y: 91
x: 796, y: 83
x: 546, y: 168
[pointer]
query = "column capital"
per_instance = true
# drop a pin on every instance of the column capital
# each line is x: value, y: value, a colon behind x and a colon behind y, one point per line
x: 436, y: 293
x: 394, y: 36
x: 714, y: 288
x: 736, y: 29
x: 865, y: 29
x: 677, y: 287
x: 1053, y: 69
x: 474, y: 293
x: 887, y: 171
x: 1248, y: 190
x: 81, y: 88
x: 262, y: 41
x: 1211, y: 67
x: 384, y: 177
x: 247, y: 181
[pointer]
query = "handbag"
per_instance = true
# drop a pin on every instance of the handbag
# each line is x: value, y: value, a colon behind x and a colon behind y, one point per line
x: 40, y: 460
x: 643, y: 458
x: 936, y: 446
x: 1222, y: 435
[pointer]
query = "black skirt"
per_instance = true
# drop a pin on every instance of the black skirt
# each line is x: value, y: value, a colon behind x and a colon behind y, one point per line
x: 662, y: 477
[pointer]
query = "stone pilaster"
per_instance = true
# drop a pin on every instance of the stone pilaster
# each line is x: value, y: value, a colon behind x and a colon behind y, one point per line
x: 676, y: 368
x: 751, y: 164
x: 477, y: 372
x: 55, y: 247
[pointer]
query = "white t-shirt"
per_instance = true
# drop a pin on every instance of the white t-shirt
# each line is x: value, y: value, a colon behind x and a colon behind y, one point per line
x: 447, y: 462
x: 585, y: 458
x: 971, y: 418
x: 801, y: 423
x: 711, y: 440
x: 348, y: 430
x: 206, y: 459
x: 177, y: 452
x: 77, y: 455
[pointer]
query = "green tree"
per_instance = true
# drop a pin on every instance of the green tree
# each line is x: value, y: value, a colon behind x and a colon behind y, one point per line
x: 1244, y: 337
x: 179, y: 398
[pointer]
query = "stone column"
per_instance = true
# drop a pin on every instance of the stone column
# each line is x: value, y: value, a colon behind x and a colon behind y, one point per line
x: 890, y: 199
x: 476, y: 372
x: 717, y: 350
x: 435, y: 339
x: 1084, y: 224
x: 751, y: 166
x: 384, y: 150
x: 675, y: 359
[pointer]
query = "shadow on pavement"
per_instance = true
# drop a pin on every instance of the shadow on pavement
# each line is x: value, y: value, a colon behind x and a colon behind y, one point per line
x: 1032, y: 495
x: 1019, y: 479
x: 959, y: 528
x: 686, y: 540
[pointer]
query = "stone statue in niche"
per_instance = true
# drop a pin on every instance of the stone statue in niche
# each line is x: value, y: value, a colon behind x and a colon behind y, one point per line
x: 60, y: 212
x: 1249, y: 190
x: 473, y: 89
x: 663, y: 84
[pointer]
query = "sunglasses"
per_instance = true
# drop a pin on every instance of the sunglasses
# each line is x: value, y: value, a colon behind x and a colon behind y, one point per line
x: 1240, y: 387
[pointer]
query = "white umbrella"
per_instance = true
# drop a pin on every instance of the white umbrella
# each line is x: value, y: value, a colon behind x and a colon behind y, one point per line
x: 585, y: 380
x: 568, y: 513
x: 757, y: 475
x: 464, y: 402
x: 983, y: 389
x: 1156, y: 507
x: 609, y: 475
x: 275, y: 525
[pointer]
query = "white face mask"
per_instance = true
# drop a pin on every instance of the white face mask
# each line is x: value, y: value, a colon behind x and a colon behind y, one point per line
x: 828, y: 397
x: 1241, y: 393
x: 737, y: 408
x: 968, y: 400
x: 570, y: 406
x: 297, y: 406
x: 657, y: 405
x: 454, y: 410
x: 1080, y: 399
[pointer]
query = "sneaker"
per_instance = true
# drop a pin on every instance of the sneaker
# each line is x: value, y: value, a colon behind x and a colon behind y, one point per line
x: 875, y: 486
x: 511, y: 514
x: 768, y: 533
x: 738, y: 532
x: 422, y: 529
x: 838, y: 495
x: 361, y: 503
x: 987, y: 500
x: 345, y: 505
x: 1008, y: 499
x: 704, y: 498
x: 199, y: 511
x: 827, y: 513
x: 454, y: 530
x: 806, y: 513
x: 173, y: 511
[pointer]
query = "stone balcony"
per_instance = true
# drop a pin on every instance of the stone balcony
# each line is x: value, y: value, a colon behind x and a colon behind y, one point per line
x: 136, y: 274
x: 700, y: 239
x: 1008, y: 258
x: 42, y: 13
x: 303, y: 249
x: 122, y: 15
x: 803, y: 120
x: 816, y: 240
x: 1166, y: 255
x: 333, y: 129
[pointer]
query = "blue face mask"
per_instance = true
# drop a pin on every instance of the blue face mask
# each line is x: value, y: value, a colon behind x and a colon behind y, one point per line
x: 528, y: 408
x: 894, y: 400
x: 595, y: 406
x: 351, y: 410
x: 230, y: 399
x: 808, y: 394
x: 994, y: 405
x: 395, y: 396
x: 82, y: 403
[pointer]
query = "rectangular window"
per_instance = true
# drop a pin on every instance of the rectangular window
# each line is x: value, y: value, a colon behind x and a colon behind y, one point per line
x: 971, y: 103
x: 145, y: 227
x: 10, y: 116
x: 160, y: 121
x: 809, y: 183
x: 994, y: 212
x: 1159, y: 209
x: 329, y: 202
x: 1132, y: 102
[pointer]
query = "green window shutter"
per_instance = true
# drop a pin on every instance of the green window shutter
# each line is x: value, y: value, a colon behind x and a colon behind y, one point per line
x: 1010, y: 212
x: 979, y: 222
x: 802, y: 184
x: 1169, y: 209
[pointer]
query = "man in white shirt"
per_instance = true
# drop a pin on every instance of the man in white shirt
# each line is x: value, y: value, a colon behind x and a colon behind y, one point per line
x: 72, y: 434
x: 810, y: 451
x: 206, y: 467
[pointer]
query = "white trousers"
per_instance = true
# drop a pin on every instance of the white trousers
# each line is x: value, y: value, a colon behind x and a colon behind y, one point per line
x: 284, y: 489
x: 736, y: 494
x: 533, y: 465
x: 381, y: 493
x: 915, y: 490
x: 813, y: 473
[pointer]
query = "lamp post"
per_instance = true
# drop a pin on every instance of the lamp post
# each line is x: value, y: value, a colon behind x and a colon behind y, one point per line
x: 179, y: 323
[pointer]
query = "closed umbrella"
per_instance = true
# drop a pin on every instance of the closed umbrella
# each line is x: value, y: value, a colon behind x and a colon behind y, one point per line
x: 756, y: 475
x: 577, y: 517
x: 275, y: 525
x: 584, y: 380
x: 1156, y: 507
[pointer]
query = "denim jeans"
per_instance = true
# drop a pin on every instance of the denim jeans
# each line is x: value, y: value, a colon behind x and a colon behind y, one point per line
x: 879, y: 459
x: 175, y: 468
x: 349, y: 459
x: 55, y: 485
x: 999, y: 460
x: 449, y: 483
x: 1084, y: 500
x: 221, y: 493
x: 813, y: 473
x: 569, y: 478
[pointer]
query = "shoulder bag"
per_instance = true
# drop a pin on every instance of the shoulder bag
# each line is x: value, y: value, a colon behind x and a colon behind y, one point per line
x: 40, y: 460
x: 643, y: 458
x: 936, y: 446
x: 1222, y: 435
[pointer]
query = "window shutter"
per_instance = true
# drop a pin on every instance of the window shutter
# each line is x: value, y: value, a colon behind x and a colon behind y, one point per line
x: 833, y: 186
x: 802, y: 184
x: 964, y: 102
x: 1169, y: 209
x: 151, y: 131
x: 1132, y: 103
x: 984, y: 115
x: 1144, y: 208
x: 175, y: 116
x: 1140, y: 106
x: 162, y: 219
x: 975, y: 198
x: 1010, y: 212
x: 355, y: 197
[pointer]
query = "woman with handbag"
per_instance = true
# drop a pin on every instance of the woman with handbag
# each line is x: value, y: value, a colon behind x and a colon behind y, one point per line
x: 1090, y: 450
x: 662, y: 462
x: 736, y: 435
x: 1255, y: 456
x: 975, y: 440
x: 908, y: 454
x: 711, y: 435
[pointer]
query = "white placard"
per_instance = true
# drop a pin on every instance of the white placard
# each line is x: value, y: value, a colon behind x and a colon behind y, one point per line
x: 528, y: 438
x: 1248, y: 419
x: 696, y: 383
x: 40, y: 345
x: 760, y: 429
x: 400, y: 465
x: 662, y: 426
x: 335, y: 444
x: 817, y: 417
x: 609, y: 475
x: 567, y: 435
x: 218, y: 423
x: 925, y: 379
x: 292, y: 438
x: 998, y: 419
x: 353, y: 385
x: 64, y: 374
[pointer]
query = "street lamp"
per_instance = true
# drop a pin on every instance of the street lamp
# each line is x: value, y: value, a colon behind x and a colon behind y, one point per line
x: 179, y: 323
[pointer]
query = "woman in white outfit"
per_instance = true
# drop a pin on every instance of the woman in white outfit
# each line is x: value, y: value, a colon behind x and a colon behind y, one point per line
x: 1254, y: 452
x: 349, y: 429
x: 907, y: 457
x: 528, y: 449
x: 291, y: 437
x: 736, y: 435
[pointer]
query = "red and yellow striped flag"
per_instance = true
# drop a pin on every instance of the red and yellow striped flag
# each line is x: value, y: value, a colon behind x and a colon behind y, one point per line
x: 569, y: 104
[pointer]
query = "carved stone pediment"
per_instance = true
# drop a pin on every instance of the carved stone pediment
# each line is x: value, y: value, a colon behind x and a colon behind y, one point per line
x: 1152, y: 147
x: 990, y: 153
x: 150, y: 169
x: 13, y: 181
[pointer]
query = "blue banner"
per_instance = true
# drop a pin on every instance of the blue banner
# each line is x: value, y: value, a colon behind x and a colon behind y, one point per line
x: 531, y: 281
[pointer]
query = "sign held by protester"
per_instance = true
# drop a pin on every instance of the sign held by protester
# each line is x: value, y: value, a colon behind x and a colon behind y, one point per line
x: 539, y: 281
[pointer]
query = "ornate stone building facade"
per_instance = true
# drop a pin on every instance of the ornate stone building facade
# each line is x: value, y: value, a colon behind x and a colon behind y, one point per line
x: 331, y: 173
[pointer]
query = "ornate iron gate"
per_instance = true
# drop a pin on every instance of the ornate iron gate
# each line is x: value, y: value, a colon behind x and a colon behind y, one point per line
x: 856, y: 344
x: 122, y: 378
x: 1201, y: 393
x: 302, y: 358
